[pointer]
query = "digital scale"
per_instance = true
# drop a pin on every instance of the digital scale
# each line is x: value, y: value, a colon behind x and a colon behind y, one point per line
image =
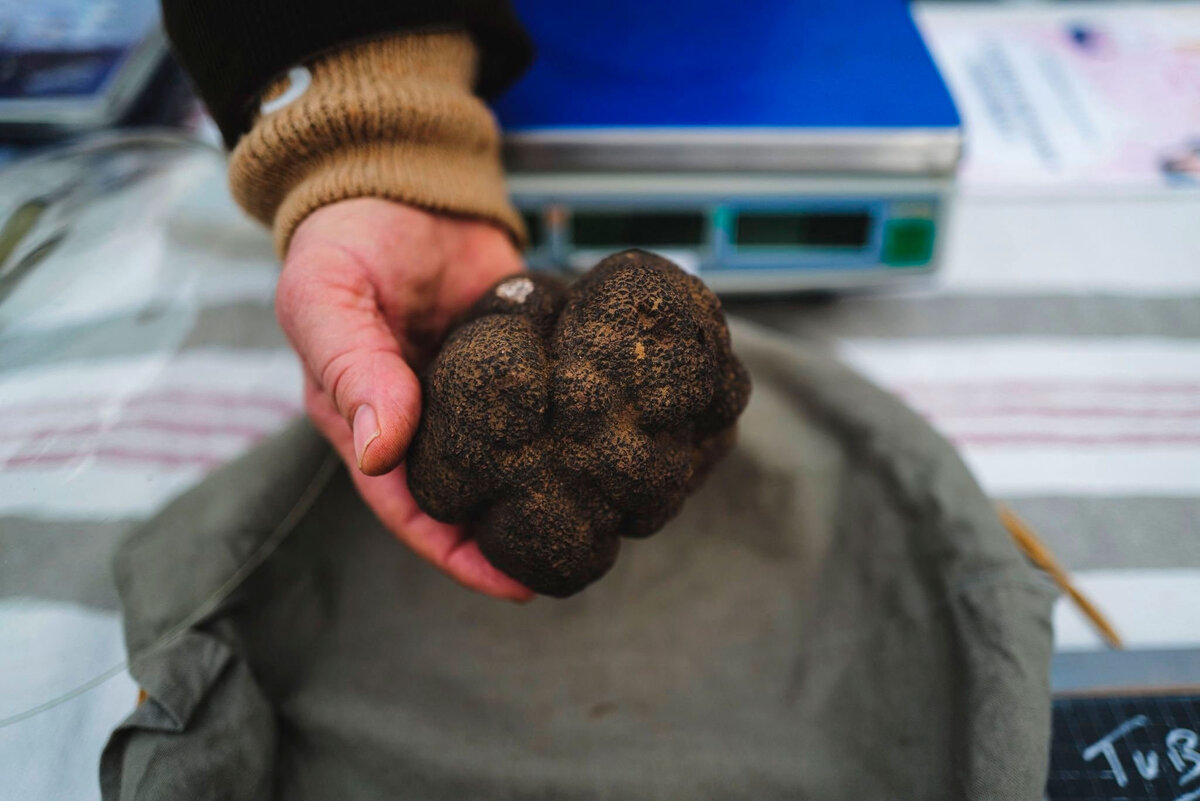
x: 767, y: 145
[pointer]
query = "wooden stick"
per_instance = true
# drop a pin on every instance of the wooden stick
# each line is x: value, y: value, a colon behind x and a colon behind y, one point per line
x: 1040, y: 555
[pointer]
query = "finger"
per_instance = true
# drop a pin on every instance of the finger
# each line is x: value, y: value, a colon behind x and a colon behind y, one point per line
x: 443, y: 545
x: 327, y: 306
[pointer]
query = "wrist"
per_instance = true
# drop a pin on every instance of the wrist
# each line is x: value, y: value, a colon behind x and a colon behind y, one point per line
x: 393, y: 118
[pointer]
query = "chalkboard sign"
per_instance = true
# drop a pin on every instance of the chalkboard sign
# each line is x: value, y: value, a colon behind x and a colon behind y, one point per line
x: 1136, y: 748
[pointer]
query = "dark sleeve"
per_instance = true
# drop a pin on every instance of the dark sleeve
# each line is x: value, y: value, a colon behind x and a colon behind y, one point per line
x: 233, y: 49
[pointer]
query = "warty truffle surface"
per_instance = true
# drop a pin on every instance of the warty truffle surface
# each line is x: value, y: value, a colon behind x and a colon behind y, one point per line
x: 558, y: 419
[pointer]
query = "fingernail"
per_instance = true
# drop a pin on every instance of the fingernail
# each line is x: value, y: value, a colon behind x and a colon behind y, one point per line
x: 366, y: 429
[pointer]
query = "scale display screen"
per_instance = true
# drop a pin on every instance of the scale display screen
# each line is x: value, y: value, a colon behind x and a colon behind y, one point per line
x: 618, y: 229
x: 533, y: 227
x: 792, y: 229
x: 740, y: 233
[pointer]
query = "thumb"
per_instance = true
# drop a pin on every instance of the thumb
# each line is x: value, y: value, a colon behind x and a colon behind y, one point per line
x: 326, y: 304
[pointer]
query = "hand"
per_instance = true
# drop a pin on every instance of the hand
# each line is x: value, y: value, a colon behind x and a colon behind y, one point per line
x: 367, y: 291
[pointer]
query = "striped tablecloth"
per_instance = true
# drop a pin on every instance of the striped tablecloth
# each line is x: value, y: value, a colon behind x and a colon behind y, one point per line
x: 1060, y: 350
x: 146, y: 356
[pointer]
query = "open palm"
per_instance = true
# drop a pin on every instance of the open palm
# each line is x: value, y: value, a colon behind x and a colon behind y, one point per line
x: 368, y: 289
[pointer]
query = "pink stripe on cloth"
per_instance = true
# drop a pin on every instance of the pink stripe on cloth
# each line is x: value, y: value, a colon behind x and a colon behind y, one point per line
x: 1038, y: 438
x: 194, y: 397
x: 123, y: 455
x: 1056, y: 385
x: 967, y: 411
x: 144, y: 424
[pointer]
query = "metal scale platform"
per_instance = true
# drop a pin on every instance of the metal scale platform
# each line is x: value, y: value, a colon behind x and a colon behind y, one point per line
x: 769, y: 145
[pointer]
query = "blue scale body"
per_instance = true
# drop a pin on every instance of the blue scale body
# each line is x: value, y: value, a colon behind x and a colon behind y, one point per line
x: 760, y: 107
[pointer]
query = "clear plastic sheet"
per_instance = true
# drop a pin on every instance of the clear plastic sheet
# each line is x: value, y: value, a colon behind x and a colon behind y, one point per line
x: 138, y: 353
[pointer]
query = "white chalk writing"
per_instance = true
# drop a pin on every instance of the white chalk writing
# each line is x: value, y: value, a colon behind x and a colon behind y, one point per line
x: 1146, y: 763
x: 1107, y: 745
x: 1181, y: 750
x: 1180, y: 745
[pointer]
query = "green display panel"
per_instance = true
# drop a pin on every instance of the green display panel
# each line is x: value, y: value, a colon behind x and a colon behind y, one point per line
x: 908, y: 242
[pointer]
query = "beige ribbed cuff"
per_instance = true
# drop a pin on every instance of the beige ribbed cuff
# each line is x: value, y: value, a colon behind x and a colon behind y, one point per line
x: 392, y: 118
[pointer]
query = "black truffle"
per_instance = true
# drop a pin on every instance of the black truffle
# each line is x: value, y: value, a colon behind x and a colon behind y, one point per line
x: 559, y: 419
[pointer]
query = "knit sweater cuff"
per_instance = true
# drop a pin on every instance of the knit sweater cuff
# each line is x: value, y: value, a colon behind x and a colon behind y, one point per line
x: 393, y: 118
